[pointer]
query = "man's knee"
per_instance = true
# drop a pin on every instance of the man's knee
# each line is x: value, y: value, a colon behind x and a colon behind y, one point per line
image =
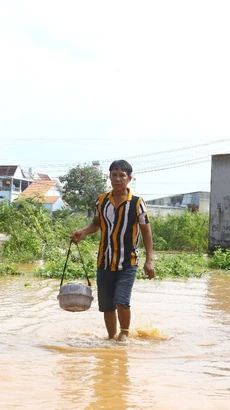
x: 122, y: 307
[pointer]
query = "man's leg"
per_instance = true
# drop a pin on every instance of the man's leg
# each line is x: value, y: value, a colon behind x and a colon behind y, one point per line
x: 122, y: 295
x: 110, y: 319
x: 105, y: 290
x: 124, y: 317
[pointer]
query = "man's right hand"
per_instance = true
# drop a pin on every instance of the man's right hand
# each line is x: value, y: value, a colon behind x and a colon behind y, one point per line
x: 77, y: 235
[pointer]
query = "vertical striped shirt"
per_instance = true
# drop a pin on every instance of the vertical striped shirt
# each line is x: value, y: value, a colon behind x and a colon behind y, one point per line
x: 119, y: 230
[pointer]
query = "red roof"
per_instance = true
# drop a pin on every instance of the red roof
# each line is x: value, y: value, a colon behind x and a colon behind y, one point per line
x: 44, y: 177
x: 8, y: 170
x: 39, y: 186
x: 51, y: 199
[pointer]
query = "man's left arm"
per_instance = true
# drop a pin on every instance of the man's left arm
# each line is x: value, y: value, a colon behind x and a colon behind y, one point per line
x: 148, y: 244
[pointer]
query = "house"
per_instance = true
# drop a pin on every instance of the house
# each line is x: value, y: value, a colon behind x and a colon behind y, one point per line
x: 193, y: 201
x: 13, y: 181
x: 17, y: 184
x: 48, y: 191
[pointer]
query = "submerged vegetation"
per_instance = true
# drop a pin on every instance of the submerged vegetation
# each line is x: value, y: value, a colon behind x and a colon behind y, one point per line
x: 9, y: 269
x: 33, y: 233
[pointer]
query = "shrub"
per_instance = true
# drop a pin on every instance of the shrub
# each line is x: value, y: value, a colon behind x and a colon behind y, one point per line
x: 182, y: 265
x: 220, y: 259
x: 186, y: 232
x: 54, y: 266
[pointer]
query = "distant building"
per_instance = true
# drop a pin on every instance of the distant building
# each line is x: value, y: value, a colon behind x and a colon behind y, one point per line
x: 17, y: 184
x: 175, y: 204
x: 13, y: 181
x: 49, y: 192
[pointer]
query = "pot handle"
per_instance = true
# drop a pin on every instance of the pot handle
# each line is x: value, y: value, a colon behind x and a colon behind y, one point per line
x: 82, y: 261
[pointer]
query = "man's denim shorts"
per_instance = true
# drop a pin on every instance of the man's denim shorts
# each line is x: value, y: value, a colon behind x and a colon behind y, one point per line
x: 114, y: 288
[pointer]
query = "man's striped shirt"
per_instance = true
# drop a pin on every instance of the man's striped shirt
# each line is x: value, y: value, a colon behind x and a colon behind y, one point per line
x: 119, y: 230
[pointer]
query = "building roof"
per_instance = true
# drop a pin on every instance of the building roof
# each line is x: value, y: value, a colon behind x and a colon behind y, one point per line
x: 177, y: 195
x: 39, y: 186
x: 44, y: 177
x: 51, y: 199
x: 8, y: 170
x: 27, y: 175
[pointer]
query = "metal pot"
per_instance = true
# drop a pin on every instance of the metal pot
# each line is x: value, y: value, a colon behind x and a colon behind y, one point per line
x: 75, y: 297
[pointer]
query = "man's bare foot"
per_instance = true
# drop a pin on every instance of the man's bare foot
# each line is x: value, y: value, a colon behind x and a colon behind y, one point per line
x: 123, y: 335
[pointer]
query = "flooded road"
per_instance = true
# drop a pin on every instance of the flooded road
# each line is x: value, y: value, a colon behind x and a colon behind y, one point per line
x: 177, y: 357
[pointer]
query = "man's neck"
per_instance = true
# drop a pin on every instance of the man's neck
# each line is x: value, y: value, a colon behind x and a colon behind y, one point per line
x: 120, y: 194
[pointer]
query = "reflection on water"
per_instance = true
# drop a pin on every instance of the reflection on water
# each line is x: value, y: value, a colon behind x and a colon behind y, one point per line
x: 95, y: 380
x: 219, y: 293
x: 177, y: 356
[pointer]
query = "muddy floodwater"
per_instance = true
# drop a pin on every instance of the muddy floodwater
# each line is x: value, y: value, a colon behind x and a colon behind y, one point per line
x: 177, y: 357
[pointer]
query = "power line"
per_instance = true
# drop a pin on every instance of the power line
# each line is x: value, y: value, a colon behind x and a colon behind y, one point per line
x: 139, y: 156
x: 170, y: 167
x: 172, y: 150
x: 151, y: 169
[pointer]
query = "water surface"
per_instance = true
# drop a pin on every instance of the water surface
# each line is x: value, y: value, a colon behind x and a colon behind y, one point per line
x: 177, y: 357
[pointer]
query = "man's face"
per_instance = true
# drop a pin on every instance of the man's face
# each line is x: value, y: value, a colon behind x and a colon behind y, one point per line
x: 119, y: 179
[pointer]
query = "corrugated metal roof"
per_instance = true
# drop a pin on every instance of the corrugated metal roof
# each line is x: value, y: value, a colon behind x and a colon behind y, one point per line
x: 8, y: 170
x: 27, y: 175
x: 44, y: 177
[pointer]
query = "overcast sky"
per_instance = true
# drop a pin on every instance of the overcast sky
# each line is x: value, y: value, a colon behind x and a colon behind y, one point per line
x: 147, y: 81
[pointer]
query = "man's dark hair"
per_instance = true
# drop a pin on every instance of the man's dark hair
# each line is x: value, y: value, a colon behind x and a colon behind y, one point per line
x: 123, y: 165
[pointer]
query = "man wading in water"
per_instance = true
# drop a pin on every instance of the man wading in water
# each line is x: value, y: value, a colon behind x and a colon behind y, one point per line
x: 120, y: 216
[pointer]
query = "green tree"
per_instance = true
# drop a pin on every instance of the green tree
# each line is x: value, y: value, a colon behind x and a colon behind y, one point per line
x: 81, y: 187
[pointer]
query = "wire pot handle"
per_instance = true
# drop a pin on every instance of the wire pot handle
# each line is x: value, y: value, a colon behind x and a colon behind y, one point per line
x: 82, y: 261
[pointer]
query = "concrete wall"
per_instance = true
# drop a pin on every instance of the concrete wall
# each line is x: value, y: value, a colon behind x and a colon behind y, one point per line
x: 58, y: 205
x: 219, y: 222
x: 163, y: 210
x: 54, y: 191
x: 204, y: 204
